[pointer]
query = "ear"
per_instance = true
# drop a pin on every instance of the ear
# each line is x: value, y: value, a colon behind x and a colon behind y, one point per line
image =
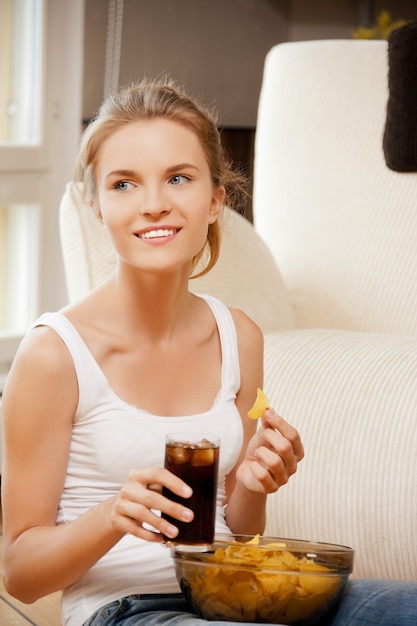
x: 217, y: 204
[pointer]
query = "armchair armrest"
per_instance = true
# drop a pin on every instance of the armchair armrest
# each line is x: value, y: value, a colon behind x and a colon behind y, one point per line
x: 353, y: 398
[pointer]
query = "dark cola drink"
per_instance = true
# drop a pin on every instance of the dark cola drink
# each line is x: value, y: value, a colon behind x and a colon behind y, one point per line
x: 195, y: 459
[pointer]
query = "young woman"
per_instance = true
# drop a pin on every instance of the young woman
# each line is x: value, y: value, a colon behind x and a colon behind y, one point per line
x: 95, y: 387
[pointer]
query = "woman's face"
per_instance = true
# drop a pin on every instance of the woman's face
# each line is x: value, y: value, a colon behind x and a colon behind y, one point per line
x: 155, y: 194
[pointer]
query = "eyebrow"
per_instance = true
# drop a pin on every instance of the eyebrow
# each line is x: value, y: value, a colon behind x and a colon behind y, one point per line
x: 182, y: 166
x: 124, y: 173
x: 169, y: 170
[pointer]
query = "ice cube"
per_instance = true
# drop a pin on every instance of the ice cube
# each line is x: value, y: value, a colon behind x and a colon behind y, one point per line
x: 178, y: 455
x: 202, y: 456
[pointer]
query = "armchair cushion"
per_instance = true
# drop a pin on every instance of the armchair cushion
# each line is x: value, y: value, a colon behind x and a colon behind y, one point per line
x: 86, y: 248
x: 353, y: 398
x: 247, y: 277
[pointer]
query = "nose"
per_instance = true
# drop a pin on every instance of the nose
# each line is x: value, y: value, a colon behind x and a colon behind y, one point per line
x: 154, y: 202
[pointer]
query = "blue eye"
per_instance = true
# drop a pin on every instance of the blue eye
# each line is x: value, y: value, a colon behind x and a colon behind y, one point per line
x: 122, y: 185
x: 178, y: 179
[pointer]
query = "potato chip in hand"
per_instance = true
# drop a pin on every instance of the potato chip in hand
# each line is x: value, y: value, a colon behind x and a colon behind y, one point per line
x: 260, y: 406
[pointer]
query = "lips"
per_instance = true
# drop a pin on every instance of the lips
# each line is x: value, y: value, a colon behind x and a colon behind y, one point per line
x: 157, y: 233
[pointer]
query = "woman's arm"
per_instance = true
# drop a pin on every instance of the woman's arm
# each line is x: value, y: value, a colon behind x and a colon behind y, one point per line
x: 38, y: 408
x: 271, y: 449
x: 39, y: 404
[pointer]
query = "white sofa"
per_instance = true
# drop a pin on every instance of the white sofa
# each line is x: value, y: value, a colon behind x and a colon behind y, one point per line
x: 330, y: 274
x: 342, y: 228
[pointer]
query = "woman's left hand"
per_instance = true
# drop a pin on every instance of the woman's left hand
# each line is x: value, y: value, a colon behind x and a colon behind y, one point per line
x: 272, y: 455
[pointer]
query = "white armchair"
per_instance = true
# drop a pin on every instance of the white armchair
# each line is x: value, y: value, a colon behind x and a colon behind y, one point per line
x: 338, y: 304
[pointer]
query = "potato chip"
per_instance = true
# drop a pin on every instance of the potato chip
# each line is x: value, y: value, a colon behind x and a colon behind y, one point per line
x: 317, y: 584
x: 303, y: 606
x: 260, y: 406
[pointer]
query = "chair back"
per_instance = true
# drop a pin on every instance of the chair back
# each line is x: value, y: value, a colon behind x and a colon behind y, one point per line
x: 340, y: 224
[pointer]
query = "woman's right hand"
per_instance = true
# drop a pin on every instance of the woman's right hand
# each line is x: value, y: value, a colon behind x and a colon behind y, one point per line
x: 136, y: 507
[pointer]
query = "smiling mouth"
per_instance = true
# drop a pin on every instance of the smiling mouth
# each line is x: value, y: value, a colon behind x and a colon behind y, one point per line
x: 158, y: 233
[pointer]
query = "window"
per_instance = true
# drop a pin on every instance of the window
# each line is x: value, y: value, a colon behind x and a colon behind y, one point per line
x: 41, y: 57
x: 20, y: 125
x: 18, y: 265
x: 20, y: 69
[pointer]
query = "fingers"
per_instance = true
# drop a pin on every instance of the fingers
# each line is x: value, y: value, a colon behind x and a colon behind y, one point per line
x: 139, y: 503
x: 288, y: 432
x: 273, y: 455
x: 277, y: 452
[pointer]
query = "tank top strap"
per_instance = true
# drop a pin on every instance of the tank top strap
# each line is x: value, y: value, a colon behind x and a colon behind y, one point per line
x: 92, y: 384
x: 228, y: 343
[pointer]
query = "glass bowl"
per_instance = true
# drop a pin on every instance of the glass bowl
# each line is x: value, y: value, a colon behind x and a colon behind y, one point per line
x: 265, y: 580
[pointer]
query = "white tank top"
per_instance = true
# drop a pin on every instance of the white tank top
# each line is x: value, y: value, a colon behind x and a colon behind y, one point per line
x: 109, y: 438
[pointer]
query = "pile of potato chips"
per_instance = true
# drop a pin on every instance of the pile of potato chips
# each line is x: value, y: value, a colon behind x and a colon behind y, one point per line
x: 238, y: 586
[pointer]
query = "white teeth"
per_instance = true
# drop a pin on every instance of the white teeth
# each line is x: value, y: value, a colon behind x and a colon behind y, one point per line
x: 161, y: 232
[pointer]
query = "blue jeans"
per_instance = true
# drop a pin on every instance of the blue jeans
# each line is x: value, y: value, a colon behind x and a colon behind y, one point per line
x: 366, y: 603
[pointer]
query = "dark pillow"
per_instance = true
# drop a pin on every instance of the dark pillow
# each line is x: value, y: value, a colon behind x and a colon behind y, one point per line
x: 400, y: 133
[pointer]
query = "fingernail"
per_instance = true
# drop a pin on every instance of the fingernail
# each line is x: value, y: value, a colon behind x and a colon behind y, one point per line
x: 187, y: 515
x: 187, y: 492
x: 171, y: 531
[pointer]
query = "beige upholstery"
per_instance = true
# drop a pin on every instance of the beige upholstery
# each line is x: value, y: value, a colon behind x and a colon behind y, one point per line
x: 341, y: 332
x: 353, y: 396
x: 86, y: 247
x: 343, y: 230
x: 340, y: 224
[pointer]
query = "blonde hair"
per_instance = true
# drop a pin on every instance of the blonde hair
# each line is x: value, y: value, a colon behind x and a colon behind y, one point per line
x: 162, y: 98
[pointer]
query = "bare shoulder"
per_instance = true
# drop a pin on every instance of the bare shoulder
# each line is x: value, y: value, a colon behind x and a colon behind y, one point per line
x: 251, y: 356
x: 250, y: 342
x: 42, y: 364
x: 250, y: 336
x: 44, y: 347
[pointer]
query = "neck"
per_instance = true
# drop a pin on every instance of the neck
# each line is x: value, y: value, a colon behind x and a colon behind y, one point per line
x: 156, y: 302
